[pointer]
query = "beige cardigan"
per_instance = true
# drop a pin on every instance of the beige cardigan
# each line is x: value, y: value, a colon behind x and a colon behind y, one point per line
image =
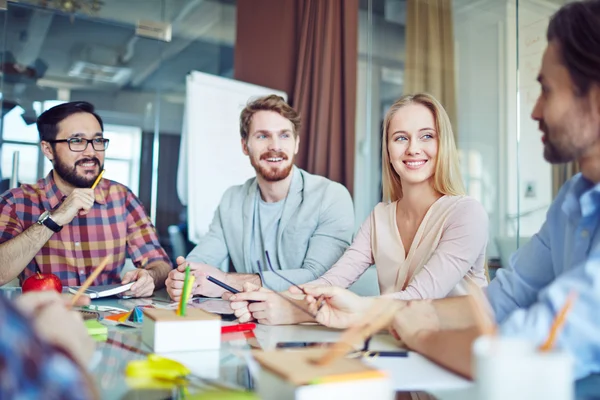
x: 448, y: 250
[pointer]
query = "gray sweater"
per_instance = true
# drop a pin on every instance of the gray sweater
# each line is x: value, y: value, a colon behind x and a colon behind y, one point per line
x: 316, y: 227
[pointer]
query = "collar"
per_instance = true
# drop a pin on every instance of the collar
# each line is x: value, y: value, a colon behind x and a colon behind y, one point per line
x: 583, y: 197
x: 55, y: 196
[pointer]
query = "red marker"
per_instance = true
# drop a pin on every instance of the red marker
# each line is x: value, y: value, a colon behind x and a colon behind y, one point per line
x: 238, y: 328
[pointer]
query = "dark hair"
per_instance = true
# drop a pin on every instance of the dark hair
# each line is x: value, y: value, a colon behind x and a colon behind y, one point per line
x: 47, y: 123
x: 268, y: 103
x: 576, y: 30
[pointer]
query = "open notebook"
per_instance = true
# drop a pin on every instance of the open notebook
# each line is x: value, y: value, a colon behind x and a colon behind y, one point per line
x: 103, y: 290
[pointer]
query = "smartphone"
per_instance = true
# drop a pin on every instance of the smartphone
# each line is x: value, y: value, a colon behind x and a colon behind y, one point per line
x: 292, y: 345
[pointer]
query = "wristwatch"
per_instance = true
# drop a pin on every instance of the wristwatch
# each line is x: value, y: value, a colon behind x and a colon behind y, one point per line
x: 45, y: 220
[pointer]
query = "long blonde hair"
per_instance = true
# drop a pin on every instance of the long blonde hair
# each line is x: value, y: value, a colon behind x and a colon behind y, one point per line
x: 446, y: 178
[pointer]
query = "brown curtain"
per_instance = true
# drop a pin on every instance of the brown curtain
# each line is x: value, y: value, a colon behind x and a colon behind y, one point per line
x: 430, y: 52
x: 307, y: 48
x: 562, y: 173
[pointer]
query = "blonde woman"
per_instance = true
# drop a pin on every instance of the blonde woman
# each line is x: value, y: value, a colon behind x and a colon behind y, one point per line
x: 427, y: 238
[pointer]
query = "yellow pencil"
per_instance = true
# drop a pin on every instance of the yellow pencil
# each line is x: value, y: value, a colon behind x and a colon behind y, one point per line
x: 90, y: 279
x: 558, y: 323
x: 190, y: 288
x: 98, y: 179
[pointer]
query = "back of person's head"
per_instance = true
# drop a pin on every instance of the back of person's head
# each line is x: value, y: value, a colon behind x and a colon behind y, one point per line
x: 446, y: 179
x: 272, y: 103
x: 47, y: 123
x: 575, y: 27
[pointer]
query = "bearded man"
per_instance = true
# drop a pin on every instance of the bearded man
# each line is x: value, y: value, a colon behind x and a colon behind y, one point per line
x: 61, y: 225
x: 305, y: 222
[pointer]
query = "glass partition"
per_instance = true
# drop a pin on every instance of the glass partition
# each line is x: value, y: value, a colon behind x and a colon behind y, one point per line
x: 99, y: 51
x: 496, y: 49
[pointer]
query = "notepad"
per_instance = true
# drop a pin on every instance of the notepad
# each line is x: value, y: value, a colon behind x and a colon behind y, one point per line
x: 95, y: 328
x: 96, y: 292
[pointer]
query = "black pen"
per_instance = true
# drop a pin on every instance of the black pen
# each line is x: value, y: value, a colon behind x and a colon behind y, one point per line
x: 389, y: 353
x: 375, y: 353
x: 226, y: 287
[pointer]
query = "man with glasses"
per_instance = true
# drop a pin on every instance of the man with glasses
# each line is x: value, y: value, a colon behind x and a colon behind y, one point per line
x: 60, y: 225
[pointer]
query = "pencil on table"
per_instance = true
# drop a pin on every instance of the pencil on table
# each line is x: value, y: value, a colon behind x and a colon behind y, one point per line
x: 558, y: 323
x: 98, y: 179
x: 90, y: 279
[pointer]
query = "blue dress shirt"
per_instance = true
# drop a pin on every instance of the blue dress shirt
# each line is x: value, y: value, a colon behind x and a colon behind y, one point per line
x: 563, y: 256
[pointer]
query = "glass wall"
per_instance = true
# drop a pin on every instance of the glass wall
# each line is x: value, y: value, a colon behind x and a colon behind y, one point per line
x: 497, y: 48
x: 130, y: 59
x: 101, y: 52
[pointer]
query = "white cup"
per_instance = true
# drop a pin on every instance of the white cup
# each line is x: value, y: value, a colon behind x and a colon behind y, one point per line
x: 509, y: 368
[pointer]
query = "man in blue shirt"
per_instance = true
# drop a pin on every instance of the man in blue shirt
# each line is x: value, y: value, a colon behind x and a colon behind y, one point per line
x: 564, y: 256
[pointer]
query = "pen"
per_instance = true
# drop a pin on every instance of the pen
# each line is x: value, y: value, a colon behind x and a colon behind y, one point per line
x: 223, y: 285
x: 238, y: 328
x: 386, y: 353
x: 226, y: 287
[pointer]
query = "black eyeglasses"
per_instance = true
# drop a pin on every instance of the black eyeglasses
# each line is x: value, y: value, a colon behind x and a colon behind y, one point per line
x: 80, y: 144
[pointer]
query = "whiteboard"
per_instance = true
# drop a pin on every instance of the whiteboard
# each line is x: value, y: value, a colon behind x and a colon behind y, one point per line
x: 210, y: 157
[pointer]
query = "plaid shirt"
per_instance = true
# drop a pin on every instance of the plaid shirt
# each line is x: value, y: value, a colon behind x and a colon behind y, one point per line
x: 117, y: 224
x: 32, y: 369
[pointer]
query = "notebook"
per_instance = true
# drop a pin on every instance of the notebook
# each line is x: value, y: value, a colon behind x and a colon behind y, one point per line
x: 103, y: 290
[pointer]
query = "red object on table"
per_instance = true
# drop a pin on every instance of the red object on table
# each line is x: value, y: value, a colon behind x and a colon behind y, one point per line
x: 40, y: 282
x: 238, y: 328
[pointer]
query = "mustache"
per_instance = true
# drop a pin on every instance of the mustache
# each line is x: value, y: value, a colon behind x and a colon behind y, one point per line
x: 543, y: 127
x: 87, y: 160
x: 274, y: 154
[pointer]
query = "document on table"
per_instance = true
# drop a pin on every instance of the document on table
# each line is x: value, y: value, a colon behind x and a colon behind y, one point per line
x: 417, y: 373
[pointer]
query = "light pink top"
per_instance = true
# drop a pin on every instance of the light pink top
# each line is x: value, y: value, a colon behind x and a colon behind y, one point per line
x: 448, y: 250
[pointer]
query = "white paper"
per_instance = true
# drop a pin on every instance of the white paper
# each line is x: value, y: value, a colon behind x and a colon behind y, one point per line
x: 416, y: 373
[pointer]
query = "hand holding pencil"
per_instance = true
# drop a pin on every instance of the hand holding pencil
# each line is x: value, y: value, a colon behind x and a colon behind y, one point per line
x: 78, y: 202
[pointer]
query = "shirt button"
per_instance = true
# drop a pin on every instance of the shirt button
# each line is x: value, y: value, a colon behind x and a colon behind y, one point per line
x: 76, y: 243
x: 584, y: 233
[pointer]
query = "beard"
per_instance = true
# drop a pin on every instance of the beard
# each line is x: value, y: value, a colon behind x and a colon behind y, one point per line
x: 558, y: 146
x: 69, y: 174
x: 275, y: 173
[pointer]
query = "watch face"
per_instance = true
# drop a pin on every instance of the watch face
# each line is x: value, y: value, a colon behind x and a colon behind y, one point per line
x: 43, y: 217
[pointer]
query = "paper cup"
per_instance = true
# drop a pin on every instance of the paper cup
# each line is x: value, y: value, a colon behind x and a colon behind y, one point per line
x: 509, y: 368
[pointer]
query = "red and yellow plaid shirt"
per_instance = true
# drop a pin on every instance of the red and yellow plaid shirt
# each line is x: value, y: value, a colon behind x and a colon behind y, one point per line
x: 117, y: 224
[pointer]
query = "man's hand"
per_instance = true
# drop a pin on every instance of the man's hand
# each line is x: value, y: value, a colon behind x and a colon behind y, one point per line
x: 202, y: 286
x: 340, y: 307
x: 144, y: 282
x: 270, y: 308
x: 79, y: 202
x: 56, y: 324
x: 414, y: 318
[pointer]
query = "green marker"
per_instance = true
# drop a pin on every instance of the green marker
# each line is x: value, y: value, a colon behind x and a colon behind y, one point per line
x: 185, y: 290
